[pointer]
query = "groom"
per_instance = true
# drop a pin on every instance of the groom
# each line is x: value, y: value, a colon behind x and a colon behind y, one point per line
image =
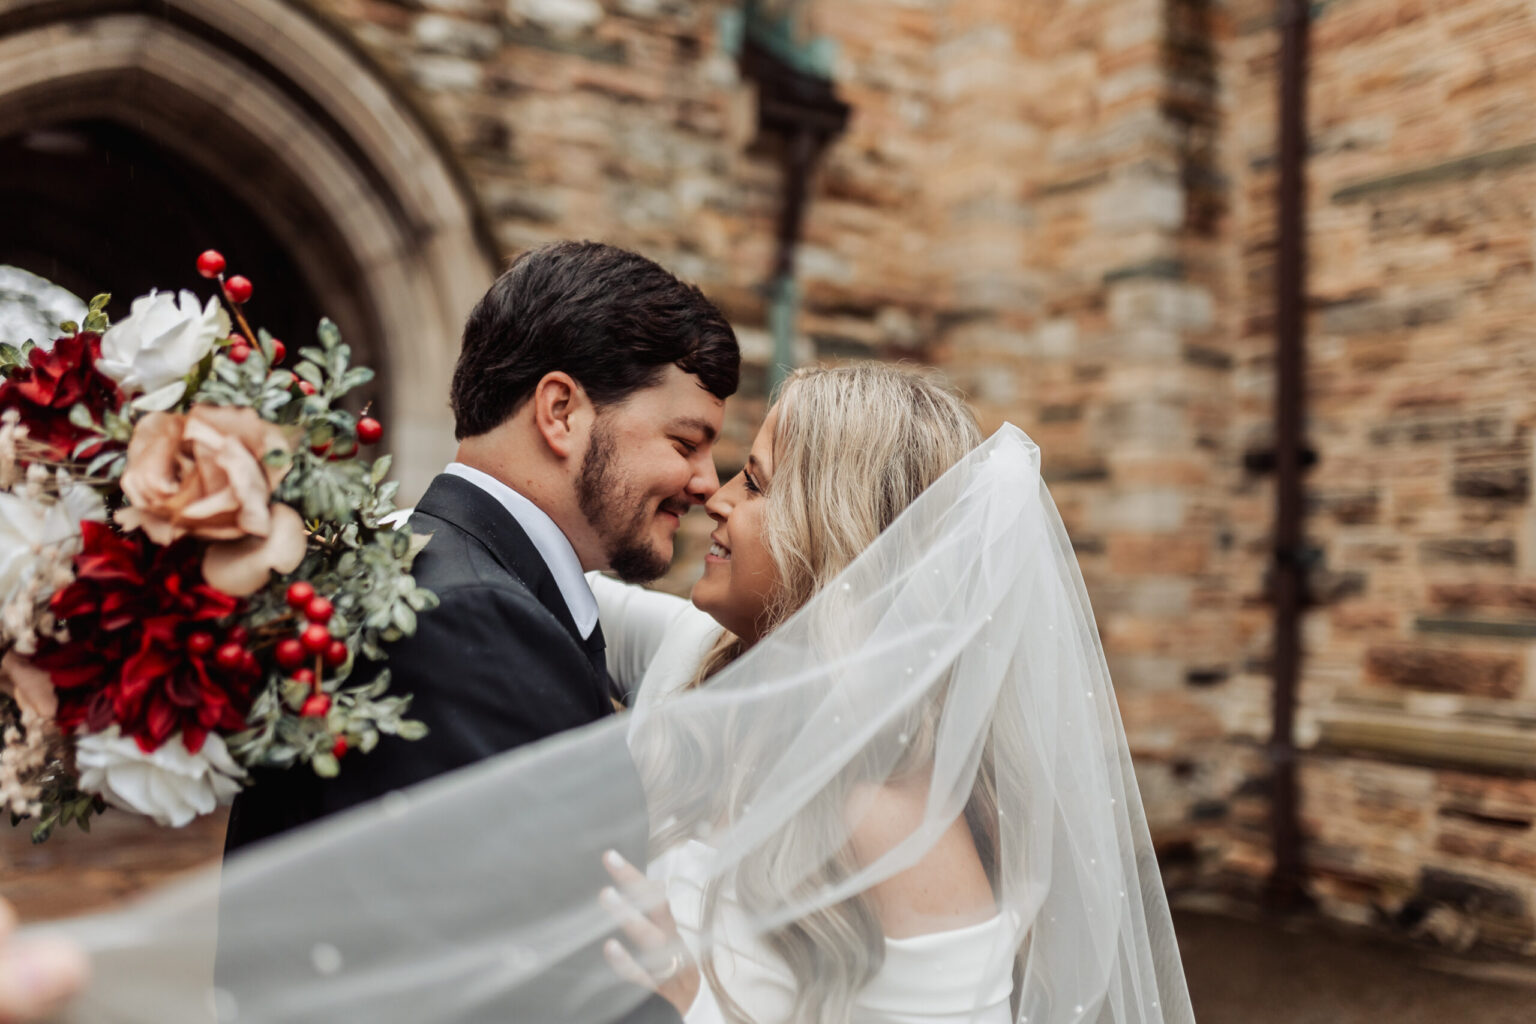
x: 587, y: 397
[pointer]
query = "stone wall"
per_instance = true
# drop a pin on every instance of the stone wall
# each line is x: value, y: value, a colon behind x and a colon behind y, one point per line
x: 1067, y: 207
x: 1417, y: 701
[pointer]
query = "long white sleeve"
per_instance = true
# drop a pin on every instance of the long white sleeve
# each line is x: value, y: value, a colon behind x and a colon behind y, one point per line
x: 705, y: 1009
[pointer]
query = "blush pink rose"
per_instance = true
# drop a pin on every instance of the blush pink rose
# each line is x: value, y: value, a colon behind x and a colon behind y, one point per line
x: 204, y: 473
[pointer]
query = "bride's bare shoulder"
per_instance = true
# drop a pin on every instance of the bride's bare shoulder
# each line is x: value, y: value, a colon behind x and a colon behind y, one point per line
x: 946, y: 889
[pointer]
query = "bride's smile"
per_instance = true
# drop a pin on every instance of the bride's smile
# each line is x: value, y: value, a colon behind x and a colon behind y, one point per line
x: 740, y: 575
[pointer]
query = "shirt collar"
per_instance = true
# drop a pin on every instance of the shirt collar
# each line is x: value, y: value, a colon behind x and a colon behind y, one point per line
x: 551, y: 543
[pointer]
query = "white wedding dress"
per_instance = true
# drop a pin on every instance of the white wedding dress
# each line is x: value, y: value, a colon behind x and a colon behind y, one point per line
x: 655, y: 644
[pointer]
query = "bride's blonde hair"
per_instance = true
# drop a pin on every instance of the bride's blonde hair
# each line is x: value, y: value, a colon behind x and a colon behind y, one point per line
x: 853, y: 447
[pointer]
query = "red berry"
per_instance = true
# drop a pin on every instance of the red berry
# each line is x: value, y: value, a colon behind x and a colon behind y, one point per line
x: 239, y: 352
x: 279, y: 351
x: 321, y: 448
x: 290, y: 653
x: 211, y: 263
x: 248, y: 663
x: 304, y: 675
x: 339, y: 747
x: 316, y: 705
x: 336, y: 653
x: 315, y: 638
x: 230, y: 656
x: 238, y: 289
x: 299, y: 594
x: 238, y: 635
x: 306, y: 387
x: 200, y: 643
x: 318, y: 610
x: 369, y: 430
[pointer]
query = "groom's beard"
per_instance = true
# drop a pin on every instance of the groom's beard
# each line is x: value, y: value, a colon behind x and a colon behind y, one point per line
x: 618, y: 516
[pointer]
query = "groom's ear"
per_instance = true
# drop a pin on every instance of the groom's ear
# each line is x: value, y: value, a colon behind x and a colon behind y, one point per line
x: 562, y: 413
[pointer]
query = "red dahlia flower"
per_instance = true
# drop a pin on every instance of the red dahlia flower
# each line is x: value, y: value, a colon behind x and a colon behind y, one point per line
x: 51, y: 383
x: 131, y: 613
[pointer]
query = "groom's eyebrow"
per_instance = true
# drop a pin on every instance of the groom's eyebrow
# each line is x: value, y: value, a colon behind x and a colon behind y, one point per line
x: 703, y: 427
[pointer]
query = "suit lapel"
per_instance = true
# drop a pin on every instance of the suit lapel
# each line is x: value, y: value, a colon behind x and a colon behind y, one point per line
x: 459, y: 502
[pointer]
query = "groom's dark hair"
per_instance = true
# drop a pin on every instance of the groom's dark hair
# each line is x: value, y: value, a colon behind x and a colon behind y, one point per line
x: 611, y: 319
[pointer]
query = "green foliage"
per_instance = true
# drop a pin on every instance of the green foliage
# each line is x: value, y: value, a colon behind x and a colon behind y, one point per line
x: 61, y: 802
x: 363, y: 568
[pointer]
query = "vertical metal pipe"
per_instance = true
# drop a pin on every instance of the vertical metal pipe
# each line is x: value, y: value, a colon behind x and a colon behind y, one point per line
x: 784, y: 294
x: 1285, y: 889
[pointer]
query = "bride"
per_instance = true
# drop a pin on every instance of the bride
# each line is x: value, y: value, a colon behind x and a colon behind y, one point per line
x: 840, y: 456
x: 836, y: 460
x: 882, y: 771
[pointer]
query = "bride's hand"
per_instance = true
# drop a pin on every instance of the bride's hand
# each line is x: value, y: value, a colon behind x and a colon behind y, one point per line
x: 640, y: 907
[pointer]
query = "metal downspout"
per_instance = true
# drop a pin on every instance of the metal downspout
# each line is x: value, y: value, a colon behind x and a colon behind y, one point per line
x: 1285, y: 889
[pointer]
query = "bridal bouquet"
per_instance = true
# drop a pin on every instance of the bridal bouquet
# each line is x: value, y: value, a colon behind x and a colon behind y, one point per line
x: 191, y: 562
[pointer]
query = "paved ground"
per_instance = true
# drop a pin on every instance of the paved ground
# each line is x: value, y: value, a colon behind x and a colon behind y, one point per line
x: 1240, y: 971
x: 1251, y: 972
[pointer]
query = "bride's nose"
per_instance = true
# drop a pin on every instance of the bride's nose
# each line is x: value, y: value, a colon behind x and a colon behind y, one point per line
x: 719, y: 505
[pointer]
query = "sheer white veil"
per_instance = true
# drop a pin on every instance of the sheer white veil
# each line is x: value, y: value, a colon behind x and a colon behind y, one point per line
x: 958, y: 651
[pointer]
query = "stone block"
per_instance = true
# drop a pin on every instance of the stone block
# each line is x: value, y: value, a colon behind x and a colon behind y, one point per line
x: 1143, y: 302
x: 1147, y: 510
x: 444, y: 73
x: 1468, y: 550
x: 1139, y: 202
x: 436, y: 33
x: 1445, y: 671
x: 1484, y: 595
x: 564, y: 19
x: 1153, y: 555
x: 1463, y: 626
x: 1378, y: 315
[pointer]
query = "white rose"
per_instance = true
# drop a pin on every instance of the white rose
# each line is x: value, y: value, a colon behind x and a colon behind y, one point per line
x: 29, y: 526
x: 154, y: 348
x: 171, y: 785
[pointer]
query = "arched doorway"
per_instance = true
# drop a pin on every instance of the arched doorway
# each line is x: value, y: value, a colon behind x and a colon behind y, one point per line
x: 135, y: 133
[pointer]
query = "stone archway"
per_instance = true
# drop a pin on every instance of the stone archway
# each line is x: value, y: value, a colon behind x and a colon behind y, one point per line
x: 270, y: 105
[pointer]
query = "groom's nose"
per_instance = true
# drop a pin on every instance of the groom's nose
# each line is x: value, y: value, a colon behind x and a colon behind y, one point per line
x: 704, y: 482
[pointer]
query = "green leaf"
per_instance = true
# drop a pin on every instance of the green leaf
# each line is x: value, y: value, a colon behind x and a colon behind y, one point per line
x: 325, y: 766
x: 354, y: 378
x: 380, y: 469
x: 411, y: 730
x: 80, y: 416
x: 101, y: 462
x: 69, y: 327
x: 328, y: 333
x: 99, y: 302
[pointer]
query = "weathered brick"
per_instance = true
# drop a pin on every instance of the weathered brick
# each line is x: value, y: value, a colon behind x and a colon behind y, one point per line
x: 1444, y: 671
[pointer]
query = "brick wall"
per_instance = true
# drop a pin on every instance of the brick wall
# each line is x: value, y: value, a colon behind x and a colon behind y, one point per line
x: 1067, y: 206
x: 1417, y: 702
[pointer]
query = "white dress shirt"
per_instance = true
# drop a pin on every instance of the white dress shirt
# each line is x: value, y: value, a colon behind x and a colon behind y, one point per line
x: 548, y: 538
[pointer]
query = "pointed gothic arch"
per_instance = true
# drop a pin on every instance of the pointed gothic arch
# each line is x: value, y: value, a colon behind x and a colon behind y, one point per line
x: 265, y: 101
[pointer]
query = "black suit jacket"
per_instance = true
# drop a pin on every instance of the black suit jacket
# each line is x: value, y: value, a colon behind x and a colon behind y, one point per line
x: 498, y: 664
